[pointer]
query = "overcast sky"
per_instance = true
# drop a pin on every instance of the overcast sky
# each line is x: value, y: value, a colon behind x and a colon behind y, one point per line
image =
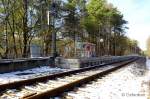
x: 137, y: 13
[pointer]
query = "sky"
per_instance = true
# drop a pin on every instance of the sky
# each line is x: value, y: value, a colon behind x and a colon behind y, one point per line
x: 137, y: 13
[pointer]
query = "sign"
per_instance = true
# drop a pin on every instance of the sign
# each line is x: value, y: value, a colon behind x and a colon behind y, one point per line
x: 79, y: 45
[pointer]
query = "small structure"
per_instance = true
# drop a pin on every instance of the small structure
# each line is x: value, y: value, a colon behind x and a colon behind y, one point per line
x: 35, y: 51
x: 85, y: 49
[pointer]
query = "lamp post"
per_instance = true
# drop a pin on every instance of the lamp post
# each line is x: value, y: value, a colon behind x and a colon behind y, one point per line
x: 53, y: 13
x: 114, y: 43
x: 101, y: 41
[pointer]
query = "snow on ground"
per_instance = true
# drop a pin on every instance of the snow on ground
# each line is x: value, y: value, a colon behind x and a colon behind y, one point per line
x: 148, y: 63
x: 132, y: 82
x: 27, y: 74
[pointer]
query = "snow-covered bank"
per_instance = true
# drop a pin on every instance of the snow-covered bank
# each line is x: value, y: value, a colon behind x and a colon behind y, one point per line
x: 148, y: 64
x: 131, y: 82
x: 27, y: 74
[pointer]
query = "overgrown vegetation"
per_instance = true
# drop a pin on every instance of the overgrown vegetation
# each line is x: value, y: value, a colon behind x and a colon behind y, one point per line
x: 24, y: 22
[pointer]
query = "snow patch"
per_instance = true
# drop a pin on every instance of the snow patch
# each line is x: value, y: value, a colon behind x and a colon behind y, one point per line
x: 28, y: 74
x: 131, y: 82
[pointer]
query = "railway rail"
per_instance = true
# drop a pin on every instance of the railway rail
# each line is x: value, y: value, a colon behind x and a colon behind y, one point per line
x: 53, y: 85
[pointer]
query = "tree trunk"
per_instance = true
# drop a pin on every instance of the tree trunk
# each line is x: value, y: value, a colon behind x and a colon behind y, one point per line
x: 25, y: 29
x: 6, y: 40
x: 13, y: 35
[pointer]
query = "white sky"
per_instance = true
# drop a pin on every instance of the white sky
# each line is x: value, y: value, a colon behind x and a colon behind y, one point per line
x: 137, y: 13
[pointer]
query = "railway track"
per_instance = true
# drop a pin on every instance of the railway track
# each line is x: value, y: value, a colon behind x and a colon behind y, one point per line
x: 53, y: 85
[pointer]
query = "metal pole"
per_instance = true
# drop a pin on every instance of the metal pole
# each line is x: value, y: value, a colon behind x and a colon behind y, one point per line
x: 54, y: 40
x: 54, y: 33
x: 53, y: 13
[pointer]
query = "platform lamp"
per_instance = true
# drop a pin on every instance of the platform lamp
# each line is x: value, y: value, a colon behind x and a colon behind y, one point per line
x: 53, y: 12
x: 101, y: 41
